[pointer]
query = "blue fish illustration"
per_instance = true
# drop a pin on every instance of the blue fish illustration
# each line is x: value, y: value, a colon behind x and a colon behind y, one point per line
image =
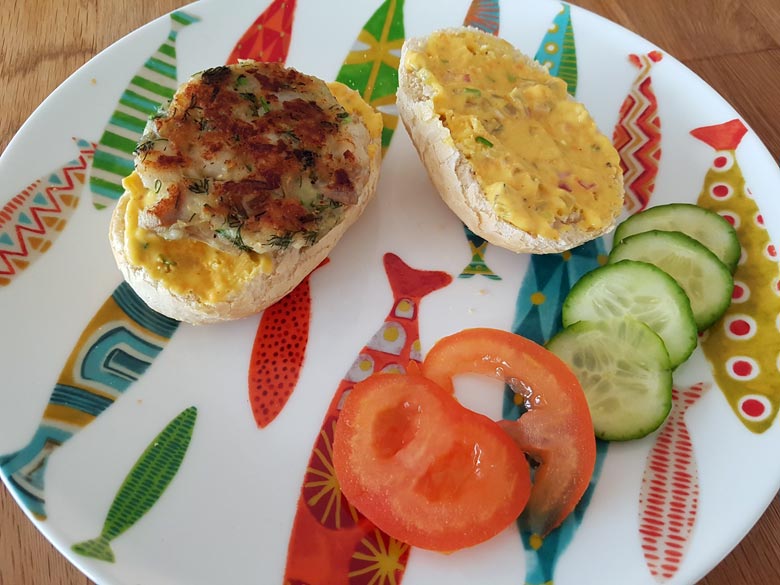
x: 114, y: 350
x: 152, y: 86
x: 557, y: 51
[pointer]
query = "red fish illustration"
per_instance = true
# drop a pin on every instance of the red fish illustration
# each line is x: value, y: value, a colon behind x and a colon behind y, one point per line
x: 268, y: 38
x: 31, y: 221
x: 637, y: 135
x: 669, y: 497
x: 743, y: 346
x: 331, y: 542
x: 278, y: 352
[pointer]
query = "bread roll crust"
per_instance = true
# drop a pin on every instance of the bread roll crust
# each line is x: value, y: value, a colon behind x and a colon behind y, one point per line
x: 453, y: 175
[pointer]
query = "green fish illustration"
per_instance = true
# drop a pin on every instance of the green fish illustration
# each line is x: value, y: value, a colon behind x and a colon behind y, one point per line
x: 144, y: 485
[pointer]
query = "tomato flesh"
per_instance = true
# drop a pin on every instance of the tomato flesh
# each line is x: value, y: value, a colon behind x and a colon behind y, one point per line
x: 424, y: 469
x: 556, y: 430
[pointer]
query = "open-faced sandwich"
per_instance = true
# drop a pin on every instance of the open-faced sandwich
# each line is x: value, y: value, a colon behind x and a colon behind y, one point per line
x: 242, y: 186
x: 519, y: 161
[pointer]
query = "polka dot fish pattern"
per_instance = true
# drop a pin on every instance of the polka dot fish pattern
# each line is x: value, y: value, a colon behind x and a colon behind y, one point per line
x: 743, y: 348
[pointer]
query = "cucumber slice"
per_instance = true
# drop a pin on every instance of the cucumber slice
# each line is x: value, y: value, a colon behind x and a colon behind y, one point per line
x: 704, y: 278
x: 642, y: 291
x: 625, y: 372
x: 703, y: 225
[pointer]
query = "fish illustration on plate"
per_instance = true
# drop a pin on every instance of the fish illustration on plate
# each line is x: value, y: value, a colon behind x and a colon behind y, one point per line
x: 278, y: 352
x: 144, y: 485
x: 371, y: 67
x: 484, y: 15
x: 268, y: 37
x: 32, y: 220
x: 557, y: 51
x: 114, y: 350
x: 151, y: 87
x: 331, y: 542
x: 743, y: 346
x: 637, y: 135
x: 669, y: 496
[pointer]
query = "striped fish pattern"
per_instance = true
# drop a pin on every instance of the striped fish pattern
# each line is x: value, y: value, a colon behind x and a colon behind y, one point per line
x: 278, y: 352
x: 743, y: 346
x: 557, y: 51
x: 268, y: 38
x: 114, y: 350
x: 371, y: 67
x: 331, y: 542
x: 669, y: 496
x: 144, y: 485
x: 484, y: 15
x: 637, y: 135
x: 32, y: 220
x: 151, y: 87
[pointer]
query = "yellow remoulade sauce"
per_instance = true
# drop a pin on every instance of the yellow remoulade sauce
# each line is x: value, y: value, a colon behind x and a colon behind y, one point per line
x: 185, y: 266
x: 538, y: 155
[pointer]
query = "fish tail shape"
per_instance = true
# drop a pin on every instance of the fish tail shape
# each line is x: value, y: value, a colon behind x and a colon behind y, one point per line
x: 637, y: 135
x: 114, y: 350
x: 742, y: 347
x: 149, y: 477
x: 331, y: 542
x: 557, y: 51
x: 268, y: 37
x: 278, y: 352
x: 152, y: 86
x: 477, y: 264
x: 669, y: 496
x: 32, y: 220
x: 371, y: 67
x: 484, y: 15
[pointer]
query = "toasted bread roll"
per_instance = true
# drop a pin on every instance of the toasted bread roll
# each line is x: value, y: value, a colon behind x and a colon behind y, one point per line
x: 519, y: 162
x: 242, y: 187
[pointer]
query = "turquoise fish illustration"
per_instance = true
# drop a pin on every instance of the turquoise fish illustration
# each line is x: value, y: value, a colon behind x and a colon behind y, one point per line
x: 152, y: 86
x: 144, y: 485
x: 484, y: 15
x: 114, y: 350
x: 557, y: 51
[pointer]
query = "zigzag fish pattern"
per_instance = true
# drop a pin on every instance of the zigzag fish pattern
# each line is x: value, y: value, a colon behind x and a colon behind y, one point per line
x: 153, y: 84
x: 484, y: 15
x: 32, y: 220
x: 669, y: 497
x: 268, y: 37
x: 637, y: 136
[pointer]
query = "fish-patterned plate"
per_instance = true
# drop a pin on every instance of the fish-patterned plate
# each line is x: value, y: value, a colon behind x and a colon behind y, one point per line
x: 154, y: 452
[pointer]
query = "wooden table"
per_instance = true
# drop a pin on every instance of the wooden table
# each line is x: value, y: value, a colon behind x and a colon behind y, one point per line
x: 733, y: 45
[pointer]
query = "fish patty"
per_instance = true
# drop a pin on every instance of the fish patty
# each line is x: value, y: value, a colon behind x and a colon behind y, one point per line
x: 252, y: 156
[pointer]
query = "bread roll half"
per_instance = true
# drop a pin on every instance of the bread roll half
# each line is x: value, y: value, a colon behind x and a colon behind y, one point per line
x: 234, y: 203
x: 503, y: 143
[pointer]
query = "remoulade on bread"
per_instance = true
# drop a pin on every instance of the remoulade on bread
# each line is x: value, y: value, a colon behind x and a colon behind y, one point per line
x: 519, y: 161
x: 242, y: 186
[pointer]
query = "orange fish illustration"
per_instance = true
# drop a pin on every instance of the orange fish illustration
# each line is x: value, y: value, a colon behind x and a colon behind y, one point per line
x: 331, y: 542
x: 268, y: 37
x: 278, y: 352
x: 743, y: 346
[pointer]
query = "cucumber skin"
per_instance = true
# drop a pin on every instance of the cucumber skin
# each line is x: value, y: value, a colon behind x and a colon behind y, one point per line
x: 585, y: 280
x: 666, y: 407
x: 681, y: 239
x: 653, y: 218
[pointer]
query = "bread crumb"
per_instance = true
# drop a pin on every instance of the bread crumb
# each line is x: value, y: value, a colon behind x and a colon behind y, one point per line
x: 93, y: 81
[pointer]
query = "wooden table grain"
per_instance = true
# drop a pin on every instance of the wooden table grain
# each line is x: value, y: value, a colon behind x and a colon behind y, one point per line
x: 733, y: 45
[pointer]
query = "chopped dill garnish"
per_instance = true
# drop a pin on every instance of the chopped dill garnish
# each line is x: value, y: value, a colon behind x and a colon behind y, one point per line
x: 252, y: 99
x: 264, y: 104
x: 292, y: 135
x: 157, y: 186
x: 241, y: 81
x: 282, y: 241
x: 233, y: 235
x: 199, y: 186
x: 310, y: 237
x: 145, y: 146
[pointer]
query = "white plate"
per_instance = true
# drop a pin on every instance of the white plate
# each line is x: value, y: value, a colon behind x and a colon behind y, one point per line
x: 227, y: 514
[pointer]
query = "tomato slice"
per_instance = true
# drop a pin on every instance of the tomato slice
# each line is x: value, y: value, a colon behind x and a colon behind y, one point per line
x: 423, y: 468
x: 556, y: 430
